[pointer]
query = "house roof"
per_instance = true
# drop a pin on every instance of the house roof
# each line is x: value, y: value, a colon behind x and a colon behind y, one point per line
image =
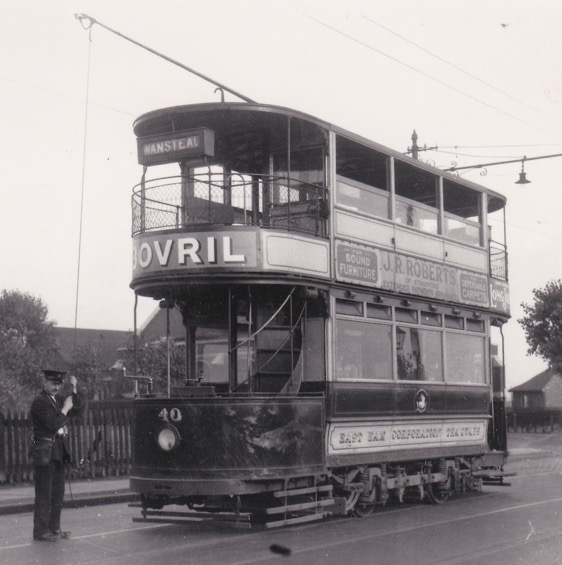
x: 107, y: 342
x: 537, y: 383
x: 155, y: 325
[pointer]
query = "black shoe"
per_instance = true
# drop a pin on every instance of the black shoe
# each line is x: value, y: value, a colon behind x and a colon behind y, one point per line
x: 46, y: 537
x: 60, y: 534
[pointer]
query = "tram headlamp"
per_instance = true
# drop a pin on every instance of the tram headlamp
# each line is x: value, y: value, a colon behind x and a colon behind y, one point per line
x: 168, y: 438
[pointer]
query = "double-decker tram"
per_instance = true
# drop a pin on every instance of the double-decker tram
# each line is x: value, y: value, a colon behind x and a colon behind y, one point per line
x: 342, y: 304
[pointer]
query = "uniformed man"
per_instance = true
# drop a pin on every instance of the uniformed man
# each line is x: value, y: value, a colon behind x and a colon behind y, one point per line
x: 49, y: 415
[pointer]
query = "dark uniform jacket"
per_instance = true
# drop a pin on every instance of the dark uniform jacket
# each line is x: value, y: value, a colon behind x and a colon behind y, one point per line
x: 47, y: 420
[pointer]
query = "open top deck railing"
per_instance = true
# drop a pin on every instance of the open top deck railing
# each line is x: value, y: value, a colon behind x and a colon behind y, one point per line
x: 217, y: 199
x: 498, y: 260
x: 214, y: 200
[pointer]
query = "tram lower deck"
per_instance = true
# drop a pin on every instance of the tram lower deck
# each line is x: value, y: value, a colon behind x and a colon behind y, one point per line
x: 261, y: 419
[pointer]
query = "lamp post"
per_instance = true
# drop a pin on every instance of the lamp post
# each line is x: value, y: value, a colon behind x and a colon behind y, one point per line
x: 522, y: 175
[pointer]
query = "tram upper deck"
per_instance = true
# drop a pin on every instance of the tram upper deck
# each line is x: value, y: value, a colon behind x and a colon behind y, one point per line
x: 248, y: 188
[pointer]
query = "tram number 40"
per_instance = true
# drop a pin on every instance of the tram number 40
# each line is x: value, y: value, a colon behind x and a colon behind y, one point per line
x: 173, y: 414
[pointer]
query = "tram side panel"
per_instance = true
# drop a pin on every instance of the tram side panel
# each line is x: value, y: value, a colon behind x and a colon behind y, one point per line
x: 393, y: 422
x: 225, y: 446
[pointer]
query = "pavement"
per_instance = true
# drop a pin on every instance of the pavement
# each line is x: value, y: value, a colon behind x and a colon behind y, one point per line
x: 79, y: 493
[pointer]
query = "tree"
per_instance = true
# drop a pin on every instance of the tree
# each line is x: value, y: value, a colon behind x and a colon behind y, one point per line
x: 543, y: 323
x: 27, y: 344
x: 152, y: 361
x: 89, y: 368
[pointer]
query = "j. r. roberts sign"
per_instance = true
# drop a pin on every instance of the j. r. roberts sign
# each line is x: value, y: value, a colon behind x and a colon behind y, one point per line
x: 168, y: 252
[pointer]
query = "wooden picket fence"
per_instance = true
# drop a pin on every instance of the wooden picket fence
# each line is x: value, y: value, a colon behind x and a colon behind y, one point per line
x: 99, y: 441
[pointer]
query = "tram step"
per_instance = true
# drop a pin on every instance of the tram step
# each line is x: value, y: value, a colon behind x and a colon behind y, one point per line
x: 299, y: 491
x: 493, y: 473
x: 241, y: 520
x: 297, y: 520
x: 300, y: 506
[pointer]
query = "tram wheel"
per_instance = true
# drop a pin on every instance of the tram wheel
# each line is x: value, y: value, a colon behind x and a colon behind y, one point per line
x: 363, y: 510
x: 351, y: 499
x: 436, y: 495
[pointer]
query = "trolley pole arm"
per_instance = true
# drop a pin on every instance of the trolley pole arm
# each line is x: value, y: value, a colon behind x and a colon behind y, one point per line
x: 87, y: 22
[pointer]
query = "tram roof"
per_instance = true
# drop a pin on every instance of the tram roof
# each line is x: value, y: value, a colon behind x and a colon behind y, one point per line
x: 178, y: 118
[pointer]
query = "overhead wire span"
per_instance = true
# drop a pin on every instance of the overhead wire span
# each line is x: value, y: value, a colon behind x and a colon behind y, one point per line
x: 427, y: 75
x: 454, y: 66
x: 87, y: 22
x: 500, y: 146
x: 459, y: 153
x: 524, y: 158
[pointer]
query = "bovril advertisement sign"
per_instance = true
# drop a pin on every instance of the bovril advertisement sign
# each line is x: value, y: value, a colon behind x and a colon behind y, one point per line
x: 178, y: 251
x: 404, y: 273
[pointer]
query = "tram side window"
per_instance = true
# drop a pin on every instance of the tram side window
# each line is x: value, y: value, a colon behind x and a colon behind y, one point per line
x: 307, y: 166
x: 314, y: 361
x: 466, y: 358
x: 417, y: 202
x: 362, y: 182
x: 419, y: 354
x: 349, y: 307
x: 363, y: 351
x: 462, y: 213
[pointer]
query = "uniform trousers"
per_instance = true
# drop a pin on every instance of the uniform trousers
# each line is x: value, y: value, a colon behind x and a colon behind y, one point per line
x: 49, y: 495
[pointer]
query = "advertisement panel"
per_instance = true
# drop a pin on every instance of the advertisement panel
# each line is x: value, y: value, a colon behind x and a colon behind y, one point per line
x: 499, y: 296
x: 178, y: 251
x: 359, y: 438
x: 399, y: 272
x: 240, y: 249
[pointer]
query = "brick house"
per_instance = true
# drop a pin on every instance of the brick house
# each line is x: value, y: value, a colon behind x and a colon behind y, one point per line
x: 537, y: 403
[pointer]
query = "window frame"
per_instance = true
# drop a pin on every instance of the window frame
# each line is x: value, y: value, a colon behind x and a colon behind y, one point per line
x: 440, y: 313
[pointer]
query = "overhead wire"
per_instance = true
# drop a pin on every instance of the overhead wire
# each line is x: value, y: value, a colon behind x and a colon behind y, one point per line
x: 64, y: 95
x: 87, y: 22
x: 423, y: 73
x: 84, y: 147
x: 454, y: 66
x: 541, y: 234
x: 350, y: 37
x: 459, y: 153
x: 441, y: 150
x: 499, y: 146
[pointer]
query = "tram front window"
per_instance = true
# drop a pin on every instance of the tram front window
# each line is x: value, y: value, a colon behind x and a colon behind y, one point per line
x: 211, y: 327
x: 212, y: 359
x: 211, y: 355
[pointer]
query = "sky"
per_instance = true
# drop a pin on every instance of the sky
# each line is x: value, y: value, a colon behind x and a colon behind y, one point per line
x: 479, y: 80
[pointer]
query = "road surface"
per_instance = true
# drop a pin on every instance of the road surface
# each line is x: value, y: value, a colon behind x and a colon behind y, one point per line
x: 521, y: 523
